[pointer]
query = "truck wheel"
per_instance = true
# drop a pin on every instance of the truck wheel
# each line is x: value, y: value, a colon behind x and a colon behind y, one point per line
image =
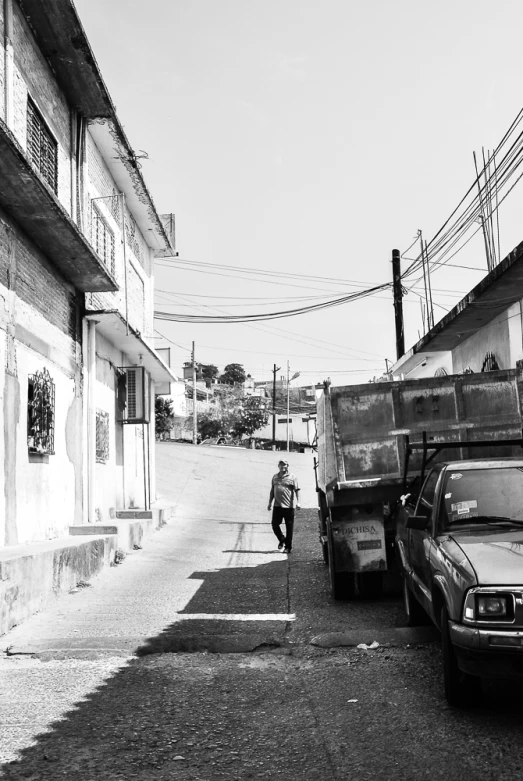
x: 342, y: 585
x: 370, y: 585
x: 414, y: 613
x: 461, y: 689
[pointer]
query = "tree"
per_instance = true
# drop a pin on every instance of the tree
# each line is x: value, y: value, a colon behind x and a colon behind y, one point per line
x: 249, y: 417
x: 208, y: 371
x: 209, y: 426
x: 164, y: 415
x: 233, y: 374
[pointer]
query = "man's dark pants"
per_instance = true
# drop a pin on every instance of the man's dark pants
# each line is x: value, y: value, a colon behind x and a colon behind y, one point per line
x: 280, y: 514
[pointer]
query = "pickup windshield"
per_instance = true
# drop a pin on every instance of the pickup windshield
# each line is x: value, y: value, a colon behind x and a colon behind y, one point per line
x: 479, y: 496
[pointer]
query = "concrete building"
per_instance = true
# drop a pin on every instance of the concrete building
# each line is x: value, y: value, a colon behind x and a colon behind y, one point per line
x: 483, y: 332
x: 78, y: 235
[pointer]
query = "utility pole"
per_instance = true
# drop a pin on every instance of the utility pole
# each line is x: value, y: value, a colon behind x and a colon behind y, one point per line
x: 398, y: 303
x: 288, y: 372
x: 194, y: 400
x: 274, y: 370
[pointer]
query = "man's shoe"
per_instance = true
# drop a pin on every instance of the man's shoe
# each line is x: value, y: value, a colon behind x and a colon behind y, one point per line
x: 281, y: 545
x: 287, y: 550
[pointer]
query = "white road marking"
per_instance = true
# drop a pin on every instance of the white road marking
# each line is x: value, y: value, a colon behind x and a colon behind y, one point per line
x: 236, y: 616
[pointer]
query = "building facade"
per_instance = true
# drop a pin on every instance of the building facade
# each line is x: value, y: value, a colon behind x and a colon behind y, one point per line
x: 78, y: 237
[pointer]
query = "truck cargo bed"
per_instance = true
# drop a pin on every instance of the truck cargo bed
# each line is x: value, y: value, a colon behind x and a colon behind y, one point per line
x: 362, y: 428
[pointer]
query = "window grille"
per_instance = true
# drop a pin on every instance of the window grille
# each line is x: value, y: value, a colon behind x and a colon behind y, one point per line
x: 40, y: 413
x: 102, y: 437
x: 42, y: 149
x: 102, y: 239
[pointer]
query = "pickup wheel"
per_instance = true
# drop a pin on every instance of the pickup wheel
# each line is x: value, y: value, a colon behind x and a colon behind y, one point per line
x: 461, y: 689
x: 414, y: 613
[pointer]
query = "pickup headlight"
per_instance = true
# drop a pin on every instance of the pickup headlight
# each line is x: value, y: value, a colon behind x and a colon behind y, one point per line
x: 491, y: 606
x: 488, y: 607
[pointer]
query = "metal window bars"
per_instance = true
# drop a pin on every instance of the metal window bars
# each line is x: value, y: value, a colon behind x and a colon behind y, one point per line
x: 42, y: 148
x: 102, y: 437
x: 102, y: 239
x: 40, y: 413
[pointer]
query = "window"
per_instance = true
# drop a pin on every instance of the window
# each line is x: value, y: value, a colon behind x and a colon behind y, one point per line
x: 284, y: 420
x: 427, y: 497
x: 42, y: 149
x: 102, y: 239
x: 40, y: 413
x: 102, y: 437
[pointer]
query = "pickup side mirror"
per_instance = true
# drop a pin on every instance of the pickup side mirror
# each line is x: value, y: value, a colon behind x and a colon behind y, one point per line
x: 419, y: 522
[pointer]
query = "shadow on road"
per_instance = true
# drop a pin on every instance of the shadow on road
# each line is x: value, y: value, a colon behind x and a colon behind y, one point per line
x: 201, y: 717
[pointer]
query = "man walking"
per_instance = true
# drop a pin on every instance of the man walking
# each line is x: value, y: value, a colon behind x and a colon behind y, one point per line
x: 285, y: 494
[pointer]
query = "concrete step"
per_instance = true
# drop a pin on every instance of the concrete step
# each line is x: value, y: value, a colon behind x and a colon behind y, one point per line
x: 33, y: 574
x: 129, y: 532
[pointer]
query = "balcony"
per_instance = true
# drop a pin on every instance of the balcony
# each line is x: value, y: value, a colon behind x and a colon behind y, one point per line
x: 36, y: 209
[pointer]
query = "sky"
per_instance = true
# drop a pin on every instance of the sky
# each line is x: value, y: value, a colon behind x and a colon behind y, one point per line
x: 309, y: 138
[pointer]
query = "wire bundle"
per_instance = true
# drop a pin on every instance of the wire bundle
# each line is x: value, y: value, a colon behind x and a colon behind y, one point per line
x: 482, y: 200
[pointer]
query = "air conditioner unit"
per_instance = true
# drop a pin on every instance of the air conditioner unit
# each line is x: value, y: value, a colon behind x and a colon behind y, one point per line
x: 136, y: 394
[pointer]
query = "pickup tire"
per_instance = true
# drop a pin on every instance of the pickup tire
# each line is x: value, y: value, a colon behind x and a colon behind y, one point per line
x: 414, y: 613
x: 461, y: 689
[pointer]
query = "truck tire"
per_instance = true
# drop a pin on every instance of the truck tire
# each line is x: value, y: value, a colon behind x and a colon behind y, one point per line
x: 461, y: 689
x: 370, y: 585
x: 343, y: 586
x: 323, y: 514
x: 414, y: 613
x: 342, y: 583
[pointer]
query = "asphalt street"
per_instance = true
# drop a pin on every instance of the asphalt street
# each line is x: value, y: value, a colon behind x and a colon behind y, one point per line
x: 210, y: 655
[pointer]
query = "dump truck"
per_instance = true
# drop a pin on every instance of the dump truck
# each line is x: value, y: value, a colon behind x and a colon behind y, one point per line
x: 374, y: 444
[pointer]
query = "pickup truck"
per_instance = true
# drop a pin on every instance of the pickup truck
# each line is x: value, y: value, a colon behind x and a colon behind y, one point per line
x: 460, y: 549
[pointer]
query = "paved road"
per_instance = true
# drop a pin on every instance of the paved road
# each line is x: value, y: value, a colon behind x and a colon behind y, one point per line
x: 98, y: 692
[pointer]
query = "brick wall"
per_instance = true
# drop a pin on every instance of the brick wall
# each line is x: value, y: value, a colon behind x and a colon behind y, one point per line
x: 36, y: 281
x: 100, y: 183
x: 2, y: 62
x: 33, y: 76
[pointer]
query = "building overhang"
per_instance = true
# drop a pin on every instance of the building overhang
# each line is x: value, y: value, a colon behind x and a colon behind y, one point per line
x: 113, y: 327
x: 62, y: 39
x: 501, y: 288
x: 33, y: 205
x: 124, y: 168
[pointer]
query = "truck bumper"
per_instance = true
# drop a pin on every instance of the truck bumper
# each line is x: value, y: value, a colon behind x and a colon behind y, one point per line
x: 488, y: 652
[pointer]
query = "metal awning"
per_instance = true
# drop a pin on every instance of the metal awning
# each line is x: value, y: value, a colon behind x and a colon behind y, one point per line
x: 29, y: 201
x: 499, y: 289
x: 112, y: 326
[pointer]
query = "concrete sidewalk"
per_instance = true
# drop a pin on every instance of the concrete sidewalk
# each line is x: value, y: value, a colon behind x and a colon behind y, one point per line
x: 220, y: 524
